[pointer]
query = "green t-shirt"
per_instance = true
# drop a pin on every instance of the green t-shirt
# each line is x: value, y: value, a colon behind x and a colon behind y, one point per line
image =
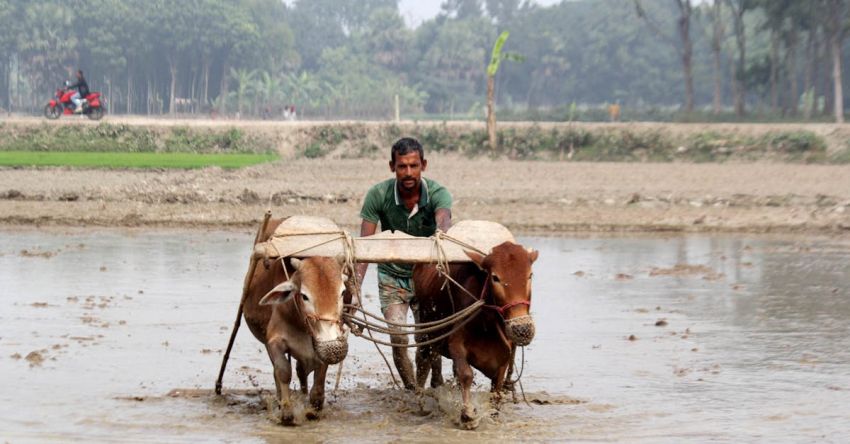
x: 383, y: 204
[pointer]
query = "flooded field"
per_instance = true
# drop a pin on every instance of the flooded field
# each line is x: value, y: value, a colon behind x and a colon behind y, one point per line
x: 118, y: 335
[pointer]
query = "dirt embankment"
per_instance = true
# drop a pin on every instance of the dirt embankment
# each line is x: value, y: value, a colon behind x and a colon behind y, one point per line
x: 527, y: 196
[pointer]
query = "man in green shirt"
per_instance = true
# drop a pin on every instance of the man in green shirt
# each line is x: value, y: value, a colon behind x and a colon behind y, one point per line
x: 416, y: 206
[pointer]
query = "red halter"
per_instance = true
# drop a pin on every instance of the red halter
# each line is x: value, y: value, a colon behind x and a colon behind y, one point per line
x: 500, y: 309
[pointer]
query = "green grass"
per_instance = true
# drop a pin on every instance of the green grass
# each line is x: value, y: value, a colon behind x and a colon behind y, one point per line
x: 131, y: 160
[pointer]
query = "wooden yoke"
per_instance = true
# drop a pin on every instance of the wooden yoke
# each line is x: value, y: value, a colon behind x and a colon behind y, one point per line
x: 306, y: 236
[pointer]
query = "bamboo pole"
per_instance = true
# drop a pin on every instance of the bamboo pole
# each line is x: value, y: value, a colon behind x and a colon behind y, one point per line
x: 248, y: 277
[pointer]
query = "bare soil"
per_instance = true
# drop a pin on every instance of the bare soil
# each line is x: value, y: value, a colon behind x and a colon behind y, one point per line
x: 526, y: 196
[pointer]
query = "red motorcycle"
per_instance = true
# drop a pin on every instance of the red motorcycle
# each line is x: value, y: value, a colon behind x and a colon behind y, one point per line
x: 62, y: 104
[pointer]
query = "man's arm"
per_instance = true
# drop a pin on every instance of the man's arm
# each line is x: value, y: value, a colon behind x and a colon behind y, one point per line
x: 366, y: 229
x: 444, y: 219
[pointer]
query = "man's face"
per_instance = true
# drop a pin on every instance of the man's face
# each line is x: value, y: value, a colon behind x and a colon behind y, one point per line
x: 408, y: 169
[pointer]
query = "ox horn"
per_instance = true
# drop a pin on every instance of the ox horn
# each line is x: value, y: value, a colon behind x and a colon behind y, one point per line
x: 532, y: 254
x: 296, y: 263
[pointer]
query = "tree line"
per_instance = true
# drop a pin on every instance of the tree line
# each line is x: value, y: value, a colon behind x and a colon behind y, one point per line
x: 351, y: 58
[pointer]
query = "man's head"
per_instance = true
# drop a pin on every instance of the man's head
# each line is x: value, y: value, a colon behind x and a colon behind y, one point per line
x: 79, y: 73
x: 407, y: 161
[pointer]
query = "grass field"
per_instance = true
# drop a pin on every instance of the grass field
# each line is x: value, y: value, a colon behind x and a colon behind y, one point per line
x: 131, y: 160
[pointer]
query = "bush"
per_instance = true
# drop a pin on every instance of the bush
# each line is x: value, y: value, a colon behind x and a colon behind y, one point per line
x: 314, y: 151
x: 106, y: 137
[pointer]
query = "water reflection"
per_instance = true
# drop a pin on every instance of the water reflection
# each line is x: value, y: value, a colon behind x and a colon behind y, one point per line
x: 735, y: 338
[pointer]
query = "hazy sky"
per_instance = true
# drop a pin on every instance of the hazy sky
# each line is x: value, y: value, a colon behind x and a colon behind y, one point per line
x: 417, y: 11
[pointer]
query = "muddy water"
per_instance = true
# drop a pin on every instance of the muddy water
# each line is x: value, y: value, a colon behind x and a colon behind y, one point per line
x: 115, y: 335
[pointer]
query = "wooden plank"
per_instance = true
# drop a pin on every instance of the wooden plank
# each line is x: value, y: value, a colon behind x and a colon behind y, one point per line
x: 308, y: 237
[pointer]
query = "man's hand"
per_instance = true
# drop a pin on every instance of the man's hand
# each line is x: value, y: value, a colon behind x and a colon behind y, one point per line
x: 444, y: 219
x: 366, y: 229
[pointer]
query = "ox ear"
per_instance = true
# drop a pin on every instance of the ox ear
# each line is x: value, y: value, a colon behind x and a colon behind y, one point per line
x: 278, y: 294
x: 296, y: 263
x: 477, y: 258
x: 532, y: 254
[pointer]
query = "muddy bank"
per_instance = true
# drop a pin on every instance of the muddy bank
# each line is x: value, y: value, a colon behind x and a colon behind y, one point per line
x: 610, y: 142
x: 527, y: 196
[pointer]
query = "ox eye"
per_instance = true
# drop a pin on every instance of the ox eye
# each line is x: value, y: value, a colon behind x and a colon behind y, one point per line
x: 495, y: 279
x: 304, y: 296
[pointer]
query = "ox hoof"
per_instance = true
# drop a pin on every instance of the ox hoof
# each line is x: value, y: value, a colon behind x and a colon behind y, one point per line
x: 469, y: 421
x: 287, y: 416
x: 311, y: 414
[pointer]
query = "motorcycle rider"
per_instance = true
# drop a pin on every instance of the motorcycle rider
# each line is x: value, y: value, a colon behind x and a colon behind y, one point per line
x: 82, y: 91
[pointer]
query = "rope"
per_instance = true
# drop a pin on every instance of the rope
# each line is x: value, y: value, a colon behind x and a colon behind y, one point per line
x: 518, y: 379
x: 418, y: 344
x: 439, y: 322
x: 445, y: 322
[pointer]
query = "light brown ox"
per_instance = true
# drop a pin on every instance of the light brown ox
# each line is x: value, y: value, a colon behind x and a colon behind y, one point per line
x: 301, y: 318
x: 503, y: 280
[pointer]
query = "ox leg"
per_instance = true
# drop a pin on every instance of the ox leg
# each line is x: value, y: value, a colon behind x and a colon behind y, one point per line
x: 317, y: 393
x: 398, y: 313
x: 423, y: 366
x: 282, y: 378
x: 302, y: 376
x: 436, y: 369
x: 463, y: 371
x: 497, y: 386
x: 427, y: 360
x: 509, y: 387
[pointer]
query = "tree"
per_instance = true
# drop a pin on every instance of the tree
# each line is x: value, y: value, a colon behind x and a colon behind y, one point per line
x: 46, y: 44
x: 837, y: 10
x: 450, y: 65
x: 716, y: 51
x: 739, y: 7
x: 244, y: 85
x: 496, y: 58
x: 684, y: 46
x: 462, y: 9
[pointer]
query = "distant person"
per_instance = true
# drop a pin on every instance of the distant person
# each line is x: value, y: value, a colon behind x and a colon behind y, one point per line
x: 292, y: 115
x: 614, y: 112
x: 82, y: 90
x: 286, y: 114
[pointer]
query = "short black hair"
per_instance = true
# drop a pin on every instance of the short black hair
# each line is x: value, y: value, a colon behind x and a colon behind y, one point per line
x: 406, y: 145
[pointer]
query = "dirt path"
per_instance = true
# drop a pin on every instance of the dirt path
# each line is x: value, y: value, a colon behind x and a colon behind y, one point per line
x: 526, y: 196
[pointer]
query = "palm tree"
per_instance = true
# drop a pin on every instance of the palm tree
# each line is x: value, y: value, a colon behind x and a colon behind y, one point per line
x: 269, y: 89
x: 244, y: 84
x: 304, y: 89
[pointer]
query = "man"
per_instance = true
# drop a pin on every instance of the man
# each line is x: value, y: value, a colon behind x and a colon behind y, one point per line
x: 82, y: 88
x: 413, y: 205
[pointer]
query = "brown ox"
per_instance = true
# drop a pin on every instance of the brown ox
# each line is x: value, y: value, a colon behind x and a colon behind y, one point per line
x: 503, y: 280
x: 299, y: 317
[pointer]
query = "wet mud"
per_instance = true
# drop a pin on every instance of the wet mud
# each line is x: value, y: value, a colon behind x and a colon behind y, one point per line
x: 118, y: 335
